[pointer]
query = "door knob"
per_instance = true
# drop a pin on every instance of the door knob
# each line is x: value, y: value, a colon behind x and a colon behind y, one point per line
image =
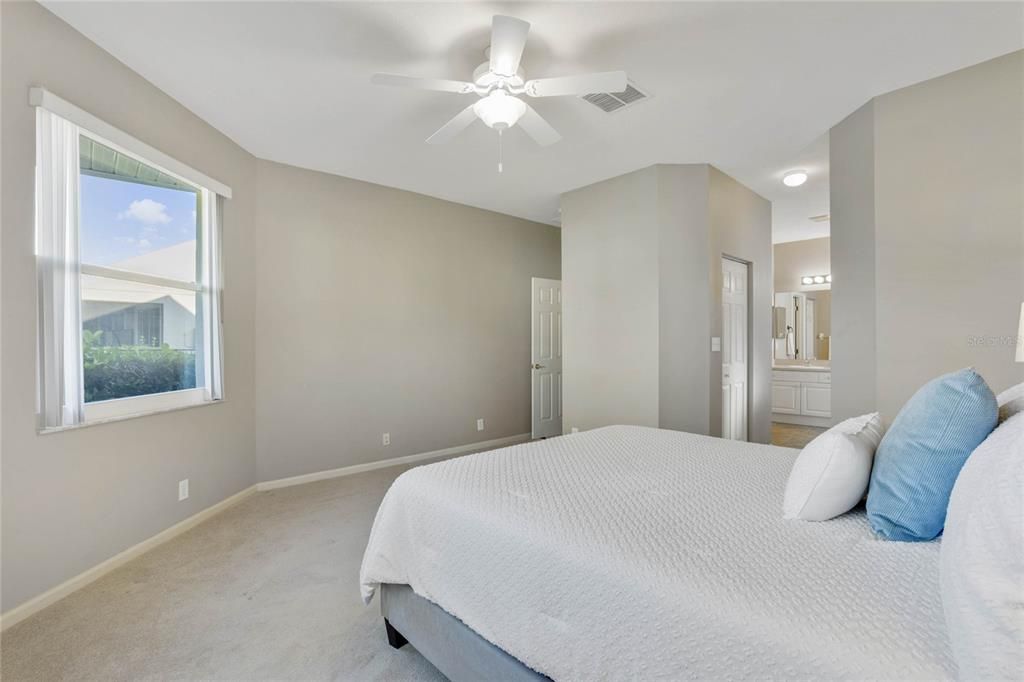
x: 538, y: 366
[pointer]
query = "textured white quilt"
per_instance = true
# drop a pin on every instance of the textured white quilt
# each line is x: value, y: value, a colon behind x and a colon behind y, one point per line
x: 637, y: 553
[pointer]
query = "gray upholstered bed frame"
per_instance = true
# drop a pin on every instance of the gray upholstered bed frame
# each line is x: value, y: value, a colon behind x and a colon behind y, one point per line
x: 444, y: 640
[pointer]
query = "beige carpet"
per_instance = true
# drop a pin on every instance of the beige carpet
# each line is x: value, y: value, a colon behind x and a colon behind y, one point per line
x: 266, y: 590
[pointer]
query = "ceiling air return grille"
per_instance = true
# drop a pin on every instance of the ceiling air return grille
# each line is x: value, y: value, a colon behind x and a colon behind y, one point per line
x: 823, y: 218
x: 609, y: 102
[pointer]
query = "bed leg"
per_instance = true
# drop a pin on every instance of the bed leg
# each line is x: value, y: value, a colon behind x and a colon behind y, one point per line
x: 395, y: 638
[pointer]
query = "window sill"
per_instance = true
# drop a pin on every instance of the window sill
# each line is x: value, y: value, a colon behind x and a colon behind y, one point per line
x: 123, y: 417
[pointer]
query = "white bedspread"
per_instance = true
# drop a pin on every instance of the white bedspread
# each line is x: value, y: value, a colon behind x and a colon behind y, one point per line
x: 637, y: 553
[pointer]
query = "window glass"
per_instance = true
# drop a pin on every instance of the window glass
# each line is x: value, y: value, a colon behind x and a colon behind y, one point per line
x: 140, y: 228
x: 139, y: 334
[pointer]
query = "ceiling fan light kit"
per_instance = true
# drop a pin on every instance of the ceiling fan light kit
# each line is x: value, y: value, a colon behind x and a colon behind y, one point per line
x: 499, y: 110
x: 500, y: 83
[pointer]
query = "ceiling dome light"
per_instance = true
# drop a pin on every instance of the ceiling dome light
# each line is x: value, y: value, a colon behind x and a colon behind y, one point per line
x: 499, y: 110
x: 794, y: 178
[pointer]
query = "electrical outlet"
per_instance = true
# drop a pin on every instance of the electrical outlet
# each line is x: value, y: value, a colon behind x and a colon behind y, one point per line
x: 479, y: 424
x: 182, y: 490
x: 386, y: 439
x: 575, y: 430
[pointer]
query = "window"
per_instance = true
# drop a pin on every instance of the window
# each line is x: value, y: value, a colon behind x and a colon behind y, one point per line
x: 129, y: 279
x: 138, y: 336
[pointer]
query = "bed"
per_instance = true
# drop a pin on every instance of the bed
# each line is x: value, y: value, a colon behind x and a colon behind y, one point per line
x: 628, y: 552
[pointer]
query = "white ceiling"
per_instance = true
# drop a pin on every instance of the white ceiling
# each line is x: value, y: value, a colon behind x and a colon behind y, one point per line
x: 749, y: 87
x: 792, y: 207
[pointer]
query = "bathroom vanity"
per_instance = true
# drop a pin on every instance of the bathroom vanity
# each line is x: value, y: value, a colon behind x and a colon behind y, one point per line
x: 802, y: 394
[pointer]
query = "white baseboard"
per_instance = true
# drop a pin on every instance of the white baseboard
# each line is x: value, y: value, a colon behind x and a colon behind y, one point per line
x: 394, y: 461
x: 41, y: 601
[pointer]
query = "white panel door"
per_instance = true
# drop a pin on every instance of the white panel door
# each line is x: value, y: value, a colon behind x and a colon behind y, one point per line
x: 546, y: 357
x: 734, y: 350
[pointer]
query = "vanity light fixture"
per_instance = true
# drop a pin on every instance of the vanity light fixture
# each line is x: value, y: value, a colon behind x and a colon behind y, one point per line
x: 816, y: 279
x: 794, y: 178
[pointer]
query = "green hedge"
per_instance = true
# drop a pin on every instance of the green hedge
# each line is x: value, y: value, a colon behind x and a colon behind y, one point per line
x: 122, y: 371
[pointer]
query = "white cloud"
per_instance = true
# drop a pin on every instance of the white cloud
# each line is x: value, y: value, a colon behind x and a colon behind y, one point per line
x: 146, y: 211
x: 144, y: 244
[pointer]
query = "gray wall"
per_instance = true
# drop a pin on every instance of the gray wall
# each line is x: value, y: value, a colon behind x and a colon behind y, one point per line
x: 684, y: 283
x: 610, y: 302
x: 949, y: 227
x: 641, y: 259
x: 74, y: 499
x: 948, y: 232
x: 383, y: 310
x: 741, y: 227
x: 793, y: 260
x: 852, y: 211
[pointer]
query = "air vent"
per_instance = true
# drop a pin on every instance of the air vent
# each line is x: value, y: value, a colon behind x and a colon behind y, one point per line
x: 823, y: 218
x: 609, y: 102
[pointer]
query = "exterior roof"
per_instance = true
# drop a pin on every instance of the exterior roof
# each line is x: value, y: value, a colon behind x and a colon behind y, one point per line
x: 174, y: 262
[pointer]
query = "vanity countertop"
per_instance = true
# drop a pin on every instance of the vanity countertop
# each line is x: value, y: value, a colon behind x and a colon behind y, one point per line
x: 802, y: 368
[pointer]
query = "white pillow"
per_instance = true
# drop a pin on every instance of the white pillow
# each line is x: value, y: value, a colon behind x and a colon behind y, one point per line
x: 1011, y: 401
x: 831, y: 474
x: 982, y: 558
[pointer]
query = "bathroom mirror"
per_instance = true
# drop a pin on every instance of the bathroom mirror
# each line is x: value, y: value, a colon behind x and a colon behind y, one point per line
x: 801, y: 326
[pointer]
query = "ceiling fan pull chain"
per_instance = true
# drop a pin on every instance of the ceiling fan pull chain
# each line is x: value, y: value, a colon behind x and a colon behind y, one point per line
x: 499, y: 151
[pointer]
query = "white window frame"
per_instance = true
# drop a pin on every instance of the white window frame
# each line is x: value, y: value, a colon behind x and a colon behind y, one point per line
x: 209, y: 280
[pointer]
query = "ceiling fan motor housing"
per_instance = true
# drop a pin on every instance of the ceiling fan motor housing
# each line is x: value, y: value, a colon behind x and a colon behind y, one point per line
x: 485, y: 79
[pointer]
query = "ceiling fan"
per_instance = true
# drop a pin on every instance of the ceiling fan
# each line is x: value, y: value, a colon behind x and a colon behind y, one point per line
x: 500, y: 84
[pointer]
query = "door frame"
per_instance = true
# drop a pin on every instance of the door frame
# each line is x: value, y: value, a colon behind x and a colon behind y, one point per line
x: 750, y: 344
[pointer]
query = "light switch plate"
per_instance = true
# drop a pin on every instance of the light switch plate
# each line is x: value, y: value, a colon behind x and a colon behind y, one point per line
x: 716, y: 344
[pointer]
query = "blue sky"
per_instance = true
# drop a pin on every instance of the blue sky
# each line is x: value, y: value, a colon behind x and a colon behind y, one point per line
x: 121, y: 219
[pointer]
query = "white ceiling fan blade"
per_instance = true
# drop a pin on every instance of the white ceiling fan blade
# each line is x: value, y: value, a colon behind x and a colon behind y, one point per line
x: 435, y: 84
x: 453, y: 127
x: 537, y: 128
x: 608, y: 81
x: 508, y: 38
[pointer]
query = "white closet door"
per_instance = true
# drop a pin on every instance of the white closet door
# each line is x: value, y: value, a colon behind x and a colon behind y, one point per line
x: 546, y: 361
x: 734, y: 350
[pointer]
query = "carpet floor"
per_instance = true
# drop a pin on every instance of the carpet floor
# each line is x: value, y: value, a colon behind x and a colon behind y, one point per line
x: 266, y: 590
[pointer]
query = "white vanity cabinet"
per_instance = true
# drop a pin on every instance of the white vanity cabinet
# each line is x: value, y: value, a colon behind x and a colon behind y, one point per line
x: 786, y: 397
x: 802, y: 395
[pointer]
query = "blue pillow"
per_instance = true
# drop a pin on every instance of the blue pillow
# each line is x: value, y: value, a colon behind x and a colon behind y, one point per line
x: 921, y: 454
